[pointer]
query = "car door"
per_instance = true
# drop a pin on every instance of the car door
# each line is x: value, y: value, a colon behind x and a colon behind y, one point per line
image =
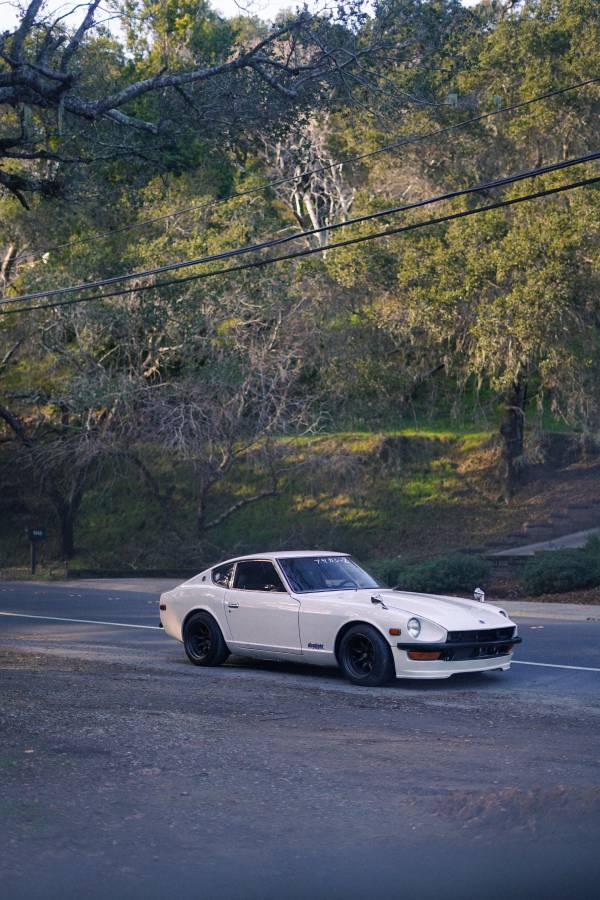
x: 260, y: 612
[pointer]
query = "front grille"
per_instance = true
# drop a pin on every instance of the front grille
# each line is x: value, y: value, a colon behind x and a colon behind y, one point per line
x: 487, y: 634
x: 456, y: 652
x: 460, y: 654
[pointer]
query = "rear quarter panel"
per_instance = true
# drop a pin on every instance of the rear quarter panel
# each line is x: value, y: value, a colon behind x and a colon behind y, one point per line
x: 187, y: 597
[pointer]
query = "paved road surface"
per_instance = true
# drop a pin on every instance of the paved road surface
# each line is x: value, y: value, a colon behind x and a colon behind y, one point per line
x: 126, y: 772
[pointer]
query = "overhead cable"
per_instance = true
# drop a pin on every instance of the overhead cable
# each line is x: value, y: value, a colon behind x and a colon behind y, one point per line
x: 234, y: 195
x: 256, y: 264
x: 274, y: 242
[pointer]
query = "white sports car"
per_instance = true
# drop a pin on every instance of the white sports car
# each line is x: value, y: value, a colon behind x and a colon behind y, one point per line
x: 320, y: 607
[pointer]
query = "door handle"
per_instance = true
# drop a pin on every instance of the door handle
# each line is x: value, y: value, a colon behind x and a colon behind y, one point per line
x: 233, y: 605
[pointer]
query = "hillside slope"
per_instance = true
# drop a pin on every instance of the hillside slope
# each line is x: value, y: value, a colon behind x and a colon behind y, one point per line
x: 413, y: 494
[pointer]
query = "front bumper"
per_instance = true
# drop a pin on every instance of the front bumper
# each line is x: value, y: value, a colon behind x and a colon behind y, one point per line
x: 455, y: 657
x: 464, y: 650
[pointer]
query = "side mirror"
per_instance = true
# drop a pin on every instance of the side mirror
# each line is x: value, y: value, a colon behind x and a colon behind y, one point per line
x: 479, y: 595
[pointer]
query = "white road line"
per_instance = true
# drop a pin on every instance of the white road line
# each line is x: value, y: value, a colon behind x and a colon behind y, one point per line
x: 80, y: 621
x: 515, y: 662
x: 522, y: 662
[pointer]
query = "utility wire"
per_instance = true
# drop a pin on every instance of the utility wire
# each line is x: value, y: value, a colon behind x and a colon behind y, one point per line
x: 415, y: 139
x: 273, y: 242
x: 388, y: 232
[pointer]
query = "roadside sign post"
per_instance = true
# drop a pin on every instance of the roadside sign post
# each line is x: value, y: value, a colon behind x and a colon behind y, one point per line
x: 36, y: 534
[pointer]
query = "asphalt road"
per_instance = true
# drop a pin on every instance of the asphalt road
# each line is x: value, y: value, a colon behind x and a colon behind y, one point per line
x: 126, y: 772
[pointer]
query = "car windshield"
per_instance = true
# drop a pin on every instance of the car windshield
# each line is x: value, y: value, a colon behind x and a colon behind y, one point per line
x: 309, y: 574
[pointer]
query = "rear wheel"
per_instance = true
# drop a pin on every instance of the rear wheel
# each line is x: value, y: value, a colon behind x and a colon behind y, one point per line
x: 365, y: 656
x: 203, y: 641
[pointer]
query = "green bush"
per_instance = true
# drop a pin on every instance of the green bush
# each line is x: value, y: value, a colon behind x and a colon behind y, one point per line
x: 555, y: 571
x: 592, y: 548
x: 455, y: 572
x: 387, y: 571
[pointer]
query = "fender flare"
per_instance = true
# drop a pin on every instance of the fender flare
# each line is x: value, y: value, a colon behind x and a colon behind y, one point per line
x: 208, y: 612
x: 347, y: 625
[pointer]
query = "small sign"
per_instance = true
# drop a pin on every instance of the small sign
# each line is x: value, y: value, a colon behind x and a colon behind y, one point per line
x: 36, y: 533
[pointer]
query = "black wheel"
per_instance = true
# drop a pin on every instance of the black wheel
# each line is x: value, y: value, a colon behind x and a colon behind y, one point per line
x: 365, y: 657
x: 203, y: 641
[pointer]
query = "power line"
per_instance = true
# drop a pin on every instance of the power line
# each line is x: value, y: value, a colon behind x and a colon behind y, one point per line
x: 273, y: 242
x: 388, y: 232
x: 415, y: 139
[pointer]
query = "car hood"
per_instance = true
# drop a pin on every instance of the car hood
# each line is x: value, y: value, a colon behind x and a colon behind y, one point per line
x: 452, y: 613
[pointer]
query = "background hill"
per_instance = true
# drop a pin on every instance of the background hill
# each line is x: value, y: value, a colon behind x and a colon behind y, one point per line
x: 392, y: 499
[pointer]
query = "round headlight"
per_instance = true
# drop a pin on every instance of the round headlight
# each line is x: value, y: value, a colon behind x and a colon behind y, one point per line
x: 413, y: 626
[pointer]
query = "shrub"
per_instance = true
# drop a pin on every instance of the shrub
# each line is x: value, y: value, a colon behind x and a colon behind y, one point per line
x: 593, y: 548
x: 455, y: 572
x: 386, y: 570
x: 555, y: 571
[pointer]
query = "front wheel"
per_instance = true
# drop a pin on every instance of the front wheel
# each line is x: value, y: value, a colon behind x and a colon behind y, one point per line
x: 203, y: 641
x: 365, y: 656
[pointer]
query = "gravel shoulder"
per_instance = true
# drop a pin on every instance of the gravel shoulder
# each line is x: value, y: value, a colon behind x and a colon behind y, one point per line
x: 251, y: 786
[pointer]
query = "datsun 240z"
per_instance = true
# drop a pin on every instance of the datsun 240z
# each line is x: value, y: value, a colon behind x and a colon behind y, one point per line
x: 321, y: 607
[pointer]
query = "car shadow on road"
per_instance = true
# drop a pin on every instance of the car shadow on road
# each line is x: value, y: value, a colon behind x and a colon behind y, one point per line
x: 312, y: 673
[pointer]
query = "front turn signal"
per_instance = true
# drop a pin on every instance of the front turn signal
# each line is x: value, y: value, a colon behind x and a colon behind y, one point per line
x: 424, y: 654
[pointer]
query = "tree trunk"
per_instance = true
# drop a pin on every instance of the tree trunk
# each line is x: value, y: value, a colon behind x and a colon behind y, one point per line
x: 67, y: 509
x: 67, y: 533
x: 163, y: 498
x: 201, y: 510
x: 512, y: 430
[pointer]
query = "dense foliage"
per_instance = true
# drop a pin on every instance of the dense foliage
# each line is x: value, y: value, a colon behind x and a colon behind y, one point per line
x: 563, y: 570
x: 493, y: 318
x: 443, y: 575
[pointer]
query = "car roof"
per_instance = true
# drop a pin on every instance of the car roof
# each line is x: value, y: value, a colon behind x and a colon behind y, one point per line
x: 282, y: 554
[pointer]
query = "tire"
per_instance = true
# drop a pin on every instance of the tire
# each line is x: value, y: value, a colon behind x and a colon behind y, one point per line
x: 203, y: 641
x: 365, y: 657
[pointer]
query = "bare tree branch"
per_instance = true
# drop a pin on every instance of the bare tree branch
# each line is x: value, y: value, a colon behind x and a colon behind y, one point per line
x: 75, y: 42
x: 41, y: 84
x: 245, y: 501
x: 16, y: 425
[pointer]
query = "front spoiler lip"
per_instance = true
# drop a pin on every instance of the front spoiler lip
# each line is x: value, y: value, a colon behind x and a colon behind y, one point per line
x: 458, y: 645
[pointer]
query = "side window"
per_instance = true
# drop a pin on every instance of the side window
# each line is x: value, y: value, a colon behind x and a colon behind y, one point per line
x: 256, y: 575
x: 222, y: 574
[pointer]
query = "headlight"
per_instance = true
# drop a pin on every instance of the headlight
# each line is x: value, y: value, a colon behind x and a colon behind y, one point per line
x: 503, y: 613
x: 413, y: 626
